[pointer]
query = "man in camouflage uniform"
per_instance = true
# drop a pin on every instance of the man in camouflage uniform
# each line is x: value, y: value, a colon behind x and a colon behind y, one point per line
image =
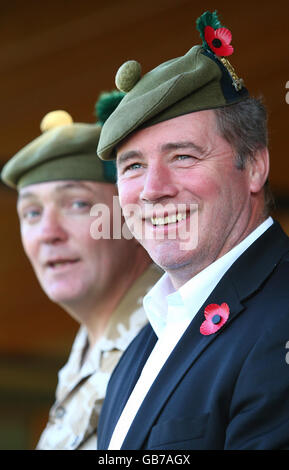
x: 99, y: 282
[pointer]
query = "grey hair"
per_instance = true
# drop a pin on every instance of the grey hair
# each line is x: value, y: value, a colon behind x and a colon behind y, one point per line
x: 244, y: 126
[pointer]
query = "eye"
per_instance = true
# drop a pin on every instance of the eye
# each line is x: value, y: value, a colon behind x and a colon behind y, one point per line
x: 185, y: 160
x: 80, y: 204
x: 30, y: 215
x: 183, y: 157
x: 132, y: 167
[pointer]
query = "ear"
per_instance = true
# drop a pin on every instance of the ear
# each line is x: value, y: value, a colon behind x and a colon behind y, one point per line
x: 259, y: 170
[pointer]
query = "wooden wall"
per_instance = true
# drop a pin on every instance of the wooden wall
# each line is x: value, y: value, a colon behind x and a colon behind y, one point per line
x: 61, y: 55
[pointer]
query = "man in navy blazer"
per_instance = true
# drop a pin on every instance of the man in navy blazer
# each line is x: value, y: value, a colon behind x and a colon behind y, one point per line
x: 209, y: 371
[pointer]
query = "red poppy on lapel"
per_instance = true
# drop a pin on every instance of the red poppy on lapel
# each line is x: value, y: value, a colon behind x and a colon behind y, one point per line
x: 216, y: 316
x: 219, y: 40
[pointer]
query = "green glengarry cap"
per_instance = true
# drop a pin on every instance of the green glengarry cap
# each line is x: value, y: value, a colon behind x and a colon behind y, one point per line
x: 197, y: 81
x: 64, y: 151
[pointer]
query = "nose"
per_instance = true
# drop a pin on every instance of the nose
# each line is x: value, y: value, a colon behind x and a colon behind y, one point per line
x: 158, y: 184
x: 51, y: 230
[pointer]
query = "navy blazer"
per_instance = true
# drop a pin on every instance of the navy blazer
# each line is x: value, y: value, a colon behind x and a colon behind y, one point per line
x: 229, y: 390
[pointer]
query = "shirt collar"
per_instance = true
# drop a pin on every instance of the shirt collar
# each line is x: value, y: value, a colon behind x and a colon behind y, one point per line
x: 164, y: 305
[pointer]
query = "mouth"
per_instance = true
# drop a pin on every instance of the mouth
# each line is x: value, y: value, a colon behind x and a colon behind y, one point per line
x: 59, y: 263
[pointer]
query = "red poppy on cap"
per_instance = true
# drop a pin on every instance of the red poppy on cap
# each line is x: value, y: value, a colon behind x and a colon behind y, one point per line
x: 219, y: 40
x: 216, y: 316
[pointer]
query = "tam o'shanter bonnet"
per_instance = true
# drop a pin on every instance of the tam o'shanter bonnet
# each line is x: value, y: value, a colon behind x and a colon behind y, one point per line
x: 64, y: 151
x: 201, y: 79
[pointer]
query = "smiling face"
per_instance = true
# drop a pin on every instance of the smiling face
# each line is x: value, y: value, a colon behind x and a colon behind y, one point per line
x: 184, y: 162
x: 71, y: 266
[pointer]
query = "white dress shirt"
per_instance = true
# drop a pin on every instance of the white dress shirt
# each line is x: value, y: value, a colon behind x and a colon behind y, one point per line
x: 170, y: 312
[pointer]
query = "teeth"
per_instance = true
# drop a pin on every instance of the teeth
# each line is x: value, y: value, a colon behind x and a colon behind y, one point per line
x: 59, y: 263
x: 171, y: 219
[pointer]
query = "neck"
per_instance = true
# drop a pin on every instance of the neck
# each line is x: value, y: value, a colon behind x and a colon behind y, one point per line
x: 182, y: 274
x: 96, y: 312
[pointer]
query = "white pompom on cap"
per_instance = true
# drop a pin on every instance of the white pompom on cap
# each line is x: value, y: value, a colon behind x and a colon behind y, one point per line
x: 128, y: 75
x: 55, y: 119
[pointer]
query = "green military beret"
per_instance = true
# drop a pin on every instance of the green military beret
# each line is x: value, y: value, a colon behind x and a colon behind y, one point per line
x: 201, y: 79
x: 65, y: 150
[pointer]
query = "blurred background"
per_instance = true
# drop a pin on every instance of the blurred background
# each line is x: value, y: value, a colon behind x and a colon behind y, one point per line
x: 60, y: 55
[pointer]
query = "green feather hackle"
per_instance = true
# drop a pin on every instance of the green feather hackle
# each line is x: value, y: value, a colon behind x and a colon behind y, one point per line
x: 104, y: 107
x: 109, y: 170
x: 106, y: 104
x: 207, y: 19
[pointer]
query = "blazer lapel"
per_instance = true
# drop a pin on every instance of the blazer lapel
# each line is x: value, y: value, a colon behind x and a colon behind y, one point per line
x: 241, y: 280
x: 186, y: 352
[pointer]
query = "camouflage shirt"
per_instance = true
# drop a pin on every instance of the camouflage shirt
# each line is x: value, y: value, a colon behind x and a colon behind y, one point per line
x: 81, y: 387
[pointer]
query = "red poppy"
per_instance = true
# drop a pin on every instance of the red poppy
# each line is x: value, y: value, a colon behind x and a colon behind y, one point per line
x: 216, y: 316
x: 219, y: 40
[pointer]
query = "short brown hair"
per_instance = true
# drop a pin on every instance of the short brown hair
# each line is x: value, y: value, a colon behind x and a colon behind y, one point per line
x: 244, y: 126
